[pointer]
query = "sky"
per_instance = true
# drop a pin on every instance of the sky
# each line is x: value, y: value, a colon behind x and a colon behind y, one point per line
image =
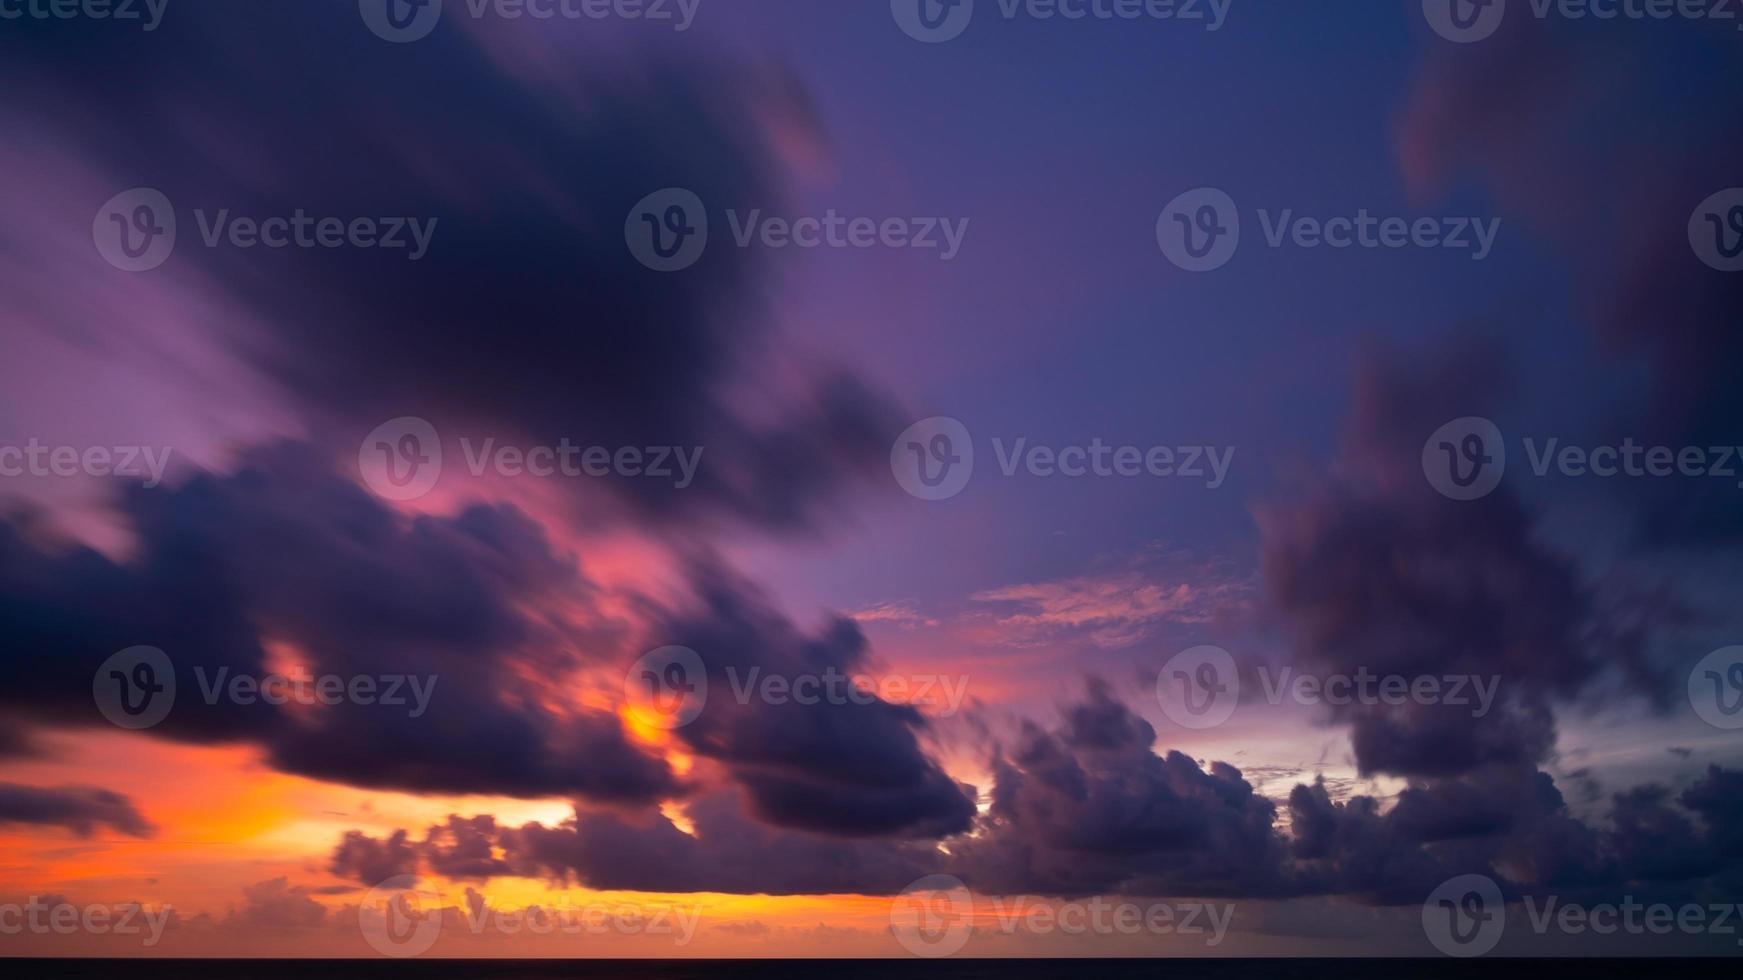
x: 895, y: 479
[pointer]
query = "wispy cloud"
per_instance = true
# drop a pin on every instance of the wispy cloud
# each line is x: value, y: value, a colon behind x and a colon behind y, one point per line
x: 904, y: 614
x: 1111, y: 610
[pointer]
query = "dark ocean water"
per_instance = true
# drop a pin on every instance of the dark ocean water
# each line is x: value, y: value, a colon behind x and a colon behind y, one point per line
x: 948, y: 969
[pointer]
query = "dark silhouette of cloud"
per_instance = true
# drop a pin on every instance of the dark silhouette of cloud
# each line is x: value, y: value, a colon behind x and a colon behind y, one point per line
x: 80, y: 809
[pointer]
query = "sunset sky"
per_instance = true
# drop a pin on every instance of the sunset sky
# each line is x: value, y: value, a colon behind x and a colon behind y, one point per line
x: 1028, y: 616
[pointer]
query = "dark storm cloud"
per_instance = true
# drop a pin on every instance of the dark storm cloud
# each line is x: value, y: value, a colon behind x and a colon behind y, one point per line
x: 1072, y: 817
x: 849, y: 767
x: 80, y: 809
x: 1373, y: 570
x: 373, y: 861
x: 1575, y: 168
x: 729, y: 852
x: 1514, y: 826
x: 528, y: 320
x: 1090, y: 808
x: 284, y: 549
x: 462, y: 848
